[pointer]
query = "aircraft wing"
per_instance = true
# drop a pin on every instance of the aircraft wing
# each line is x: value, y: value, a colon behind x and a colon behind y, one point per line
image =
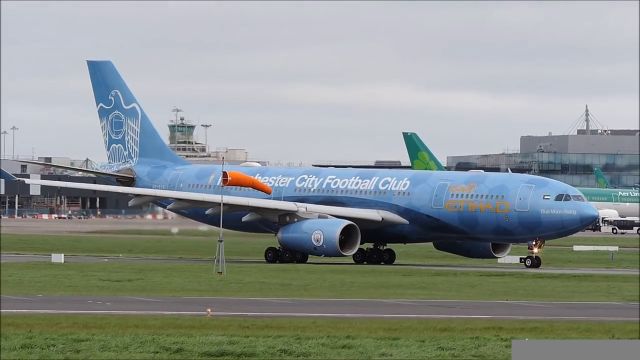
x: 79, y: 169
x: 184, y: 199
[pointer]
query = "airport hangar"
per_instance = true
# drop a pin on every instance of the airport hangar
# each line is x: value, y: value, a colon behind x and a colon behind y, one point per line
x: 567, y: 158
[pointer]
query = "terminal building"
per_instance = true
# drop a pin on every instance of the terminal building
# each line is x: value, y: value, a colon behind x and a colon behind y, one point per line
x: 568, y: 158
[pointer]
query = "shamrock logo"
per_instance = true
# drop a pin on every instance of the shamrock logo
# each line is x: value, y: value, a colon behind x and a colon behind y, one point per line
x: 424, y: 162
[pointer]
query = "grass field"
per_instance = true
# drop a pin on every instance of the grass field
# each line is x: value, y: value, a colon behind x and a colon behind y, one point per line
x: 201, y: 244
x: 110, y: 337
x: 308, y: 281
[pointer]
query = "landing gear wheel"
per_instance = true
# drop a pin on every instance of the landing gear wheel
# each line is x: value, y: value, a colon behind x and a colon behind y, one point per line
x: 271, y: 255
x: 388, y: 256
x: 301, y: 258
x: 529, y: 262
x: 287, y: 256
x: 374, y: 256
x: 360, y: 256
x: 537, y: 261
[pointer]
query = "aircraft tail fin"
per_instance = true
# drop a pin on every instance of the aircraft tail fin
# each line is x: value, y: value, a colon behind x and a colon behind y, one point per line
x: 421, y: 157
x: 128, y: 134
x: 601, y: 181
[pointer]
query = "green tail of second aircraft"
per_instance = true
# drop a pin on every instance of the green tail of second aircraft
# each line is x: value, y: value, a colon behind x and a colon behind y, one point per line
x: 601, y: 181
x: 421, y: 157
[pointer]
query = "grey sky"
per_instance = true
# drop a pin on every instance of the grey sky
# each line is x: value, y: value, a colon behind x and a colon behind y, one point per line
x: 323, y: 81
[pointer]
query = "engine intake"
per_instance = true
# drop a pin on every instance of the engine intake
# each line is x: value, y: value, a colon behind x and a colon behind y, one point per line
x: 473, y: 249
x: 321, y: 237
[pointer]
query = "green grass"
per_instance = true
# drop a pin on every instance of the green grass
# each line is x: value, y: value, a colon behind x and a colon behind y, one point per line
x: 251, y: 246
x: 308, y: 281
x: 110, y: 337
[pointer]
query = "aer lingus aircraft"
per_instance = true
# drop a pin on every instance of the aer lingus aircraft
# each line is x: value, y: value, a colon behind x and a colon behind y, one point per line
x: 326, y: 211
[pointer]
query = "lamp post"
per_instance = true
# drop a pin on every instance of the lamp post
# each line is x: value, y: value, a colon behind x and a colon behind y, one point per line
x: 13, y: 144
x: 4, y: 142
x: 206, y: 141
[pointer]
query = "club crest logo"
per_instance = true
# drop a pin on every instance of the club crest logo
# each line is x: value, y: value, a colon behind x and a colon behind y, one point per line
x: 120, y: 124
x: 317, y: 238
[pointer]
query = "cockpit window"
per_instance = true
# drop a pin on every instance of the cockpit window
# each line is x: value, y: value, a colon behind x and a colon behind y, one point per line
x: 578, y: 198
x: 564, y: 197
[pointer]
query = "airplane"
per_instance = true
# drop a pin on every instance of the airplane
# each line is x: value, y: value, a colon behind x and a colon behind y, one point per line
x: 625, y: 201
x: 324, y: 211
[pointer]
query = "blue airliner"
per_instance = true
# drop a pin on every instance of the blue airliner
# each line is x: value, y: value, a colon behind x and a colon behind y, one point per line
x: 327, y: 211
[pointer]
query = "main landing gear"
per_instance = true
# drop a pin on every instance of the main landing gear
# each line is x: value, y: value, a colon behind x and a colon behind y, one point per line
x: 375, y: 255
x: 533, y: 261
x: 273, y: 255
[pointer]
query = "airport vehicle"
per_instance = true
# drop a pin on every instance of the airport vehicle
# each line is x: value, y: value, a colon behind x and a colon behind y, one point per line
x: 618, y: 225
x: 325, y: 211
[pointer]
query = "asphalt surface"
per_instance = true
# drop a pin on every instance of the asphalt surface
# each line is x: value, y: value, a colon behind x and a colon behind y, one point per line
x: 349, y: 308
x: 21, y: 258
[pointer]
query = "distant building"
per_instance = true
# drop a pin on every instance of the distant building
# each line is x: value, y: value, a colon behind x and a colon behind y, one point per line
x: 568, y: 158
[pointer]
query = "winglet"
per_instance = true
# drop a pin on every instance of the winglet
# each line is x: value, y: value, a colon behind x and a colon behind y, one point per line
x: 4, y: 175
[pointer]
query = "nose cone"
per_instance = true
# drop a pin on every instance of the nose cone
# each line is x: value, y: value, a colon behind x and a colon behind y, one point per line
x: 588, y: 214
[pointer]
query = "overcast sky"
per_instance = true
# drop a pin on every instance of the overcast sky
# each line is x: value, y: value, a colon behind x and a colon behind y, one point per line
x: 323, y: 81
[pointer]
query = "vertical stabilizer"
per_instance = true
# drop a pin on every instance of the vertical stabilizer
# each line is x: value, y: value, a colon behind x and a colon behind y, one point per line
x: 601, y: 181
x: 421, y: 157
x: 129, y: 137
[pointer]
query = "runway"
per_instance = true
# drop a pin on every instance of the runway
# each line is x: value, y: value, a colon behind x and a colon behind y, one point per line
x: 21, y: 258
x: 339, y: 308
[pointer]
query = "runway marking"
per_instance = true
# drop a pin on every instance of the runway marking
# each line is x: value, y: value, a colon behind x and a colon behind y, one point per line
x: 276, y: 314
x: 143, y: 299
x: 398, y: 302
x: 17, y: 297
x: 423, y: 300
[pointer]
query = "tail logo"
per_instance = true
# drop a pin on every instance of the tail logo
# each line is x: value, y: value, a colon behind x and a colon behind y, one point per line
x: 120, y: 126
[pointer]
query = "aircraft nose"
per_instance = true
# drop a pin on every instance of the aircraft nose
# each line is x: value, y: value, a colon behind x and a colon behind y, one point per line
x: 588, y: 214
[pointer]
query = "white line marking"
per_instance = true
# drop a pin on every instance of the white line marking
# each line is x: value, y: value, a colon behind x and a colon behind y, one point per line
x: 424, y: 300
x: 143, y: 299
x: 16, y: 297
x: 275, y: 314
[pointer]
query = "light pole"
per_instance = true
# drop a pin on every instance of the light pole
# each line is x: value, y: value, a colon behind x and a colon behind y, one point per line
x: 13, y: 144
x: 4, y: 142
x: 206, y: 142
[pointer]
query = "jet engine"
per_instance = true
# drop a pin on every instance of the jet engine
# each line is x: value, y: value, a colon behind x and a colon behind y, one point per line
x: 474, y: 249
x: 321, y: 237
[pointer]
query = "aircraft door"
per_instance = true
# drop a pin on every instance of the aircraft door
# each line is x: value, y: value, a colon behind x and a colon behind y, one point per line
x: 524, y: 196
x: 439, y: 195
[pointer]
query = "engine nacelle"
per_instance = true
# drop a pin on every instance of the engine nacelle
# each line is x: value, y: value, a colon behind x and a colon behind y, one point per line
x: 321, y: 237
x: 473, y: 249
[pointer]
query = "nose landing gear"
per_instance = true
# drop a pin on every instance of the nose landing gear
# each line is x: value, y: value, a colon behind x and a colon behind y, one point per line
x: 533, y: 261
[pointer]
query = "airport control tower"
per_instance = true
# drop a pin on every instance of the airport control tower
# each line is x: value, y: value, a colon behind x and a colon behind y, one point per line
x: 181, y: 137
x: 183, y: 143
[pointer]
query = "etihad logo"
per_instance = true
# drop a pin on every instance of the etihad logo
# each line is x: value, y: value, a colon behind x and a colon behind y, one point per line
x: 477, y: 206
x: 120, y: 124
